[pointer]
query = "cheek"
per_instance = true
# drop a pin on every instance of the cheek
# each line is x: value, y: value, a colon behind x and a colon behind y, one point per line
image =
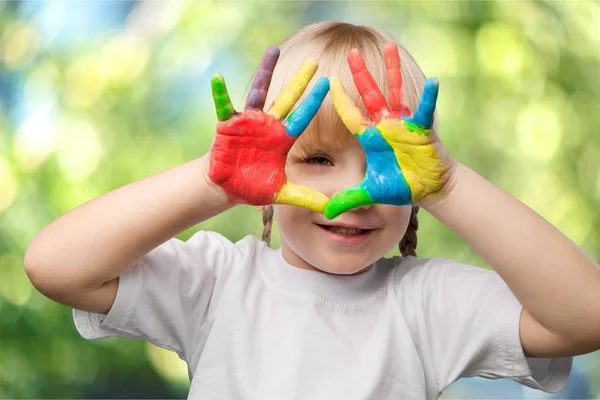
x: 290, y: 219
x: 397, y: 219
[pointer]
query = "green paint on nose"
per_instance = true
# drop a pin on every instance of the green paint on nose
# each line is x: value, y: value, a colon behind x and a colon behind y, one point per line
x: 347, y: 200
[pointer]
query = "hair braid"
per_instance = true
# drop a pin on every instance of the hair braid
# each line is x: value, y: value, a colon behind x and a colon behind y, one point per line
x: 408, y: 244
x: 267, y: 220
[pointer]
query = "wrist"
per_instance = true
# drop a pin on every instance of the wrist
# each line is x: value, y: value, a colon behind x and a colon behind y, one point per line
x: 204, y: 163
x: 448, y: 189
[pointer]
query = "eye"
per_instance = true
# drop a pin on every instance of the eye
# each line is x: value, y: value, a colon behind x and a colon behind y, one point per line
x: 317, y: 160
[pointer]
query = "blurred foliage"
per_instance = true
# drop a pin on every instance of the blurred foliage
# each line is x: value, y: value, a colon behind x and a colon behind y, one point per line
x: 95, y: 95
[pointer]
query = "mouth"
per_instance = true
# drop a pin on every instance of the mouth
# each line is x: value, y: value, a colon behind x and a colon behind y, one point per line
x: 344, y: 231
x: 346, y: 235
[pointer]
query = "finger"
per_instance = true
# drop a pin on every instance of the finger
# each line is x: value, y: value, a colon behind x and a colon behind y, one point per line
x: 355, y: 120
x: 302, y: 196
x: 394, y: 79
x: 299, y: 119
x: 262, y: 79
x: 424, y: 114
x: 221, y: 98
x: 356, y: 196
x: 367, y: 87
x: 293, y: 90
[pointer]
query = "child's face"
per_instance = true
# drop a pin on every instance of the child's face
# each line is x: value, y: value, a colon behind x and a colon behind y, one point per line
x: 308, y: 245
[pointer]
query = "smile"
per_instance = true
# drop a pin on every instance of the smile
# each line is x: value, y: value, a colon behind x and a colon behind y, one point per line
x: 346, y: 235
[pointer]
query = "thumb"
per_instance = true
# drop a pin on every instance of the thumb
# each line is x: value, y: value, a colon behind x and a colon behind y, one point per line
x: 356, y: 196
x: 303, y: 196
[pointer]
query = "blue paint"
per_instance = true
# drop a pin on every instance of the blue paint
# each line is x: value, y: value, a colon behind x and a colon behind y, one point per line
x: 392, y: 187
x: 299, y: 119
x: 424, y: 114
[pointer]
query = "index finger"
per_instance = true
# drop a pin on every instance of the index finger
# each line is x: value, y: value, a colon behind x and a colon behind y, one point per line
x: 293, y: 90
x: 262, y: 79
x: 367, y: 87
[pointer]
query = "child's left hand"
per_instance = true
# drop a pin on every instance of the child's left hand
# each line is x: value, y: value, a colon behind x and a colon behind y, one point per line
x: 406, y: 161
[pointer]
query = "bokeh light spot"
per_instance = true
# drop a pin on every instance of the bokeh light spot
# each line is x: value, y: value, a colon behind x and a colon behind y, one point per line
x: 501, y: 49
x: 19, y: 44
x: 167, y: 363
x: 33, y: 141
x: 78, y: 148
x: 8, y: 185
x: 538, y: 131
x: 14, y: 285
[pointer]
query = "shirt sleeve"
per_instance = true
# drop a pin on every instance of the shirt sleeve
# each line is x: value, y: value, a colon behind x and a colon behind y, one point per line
x: 169, y: 295
x: 465, y: 320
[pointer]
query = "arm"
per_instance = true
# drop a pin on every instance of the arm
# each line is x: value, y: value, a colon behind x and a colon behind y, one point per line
x: 556, y: 282
x: 76, y: 259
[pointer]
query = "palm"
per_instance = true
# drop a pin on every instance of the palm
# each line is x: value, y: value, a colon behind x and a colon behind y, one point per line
x: 248, y: 155
x: 250, y: 148
x: 404, y: 162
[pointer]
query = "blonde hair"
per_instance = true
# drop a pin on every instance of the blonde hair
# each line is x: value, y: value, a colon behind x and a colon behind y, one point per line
x: 328, y: 43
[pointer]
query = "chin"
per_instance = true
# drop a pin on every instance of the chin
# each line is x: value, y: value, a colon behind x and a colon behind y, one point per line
x: 343, y: 265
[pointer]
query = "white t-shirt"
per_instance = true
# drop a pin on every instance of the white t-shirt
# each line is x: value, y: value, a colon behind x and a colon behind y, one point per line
x: 251, y: 326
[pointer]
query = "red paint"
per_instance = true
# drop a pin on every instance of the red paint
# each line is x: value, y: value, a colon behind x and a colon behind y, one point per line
x: 367, y: 87
x: 394, y: 80
x: 248, y: 156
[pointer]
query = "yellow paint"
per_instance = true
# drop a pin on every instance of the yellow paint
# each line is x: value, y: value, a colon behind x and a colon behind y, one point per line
x: 293, y: 90
x: 302, y: 196
x: 421, y: 165
x: 352, y: 116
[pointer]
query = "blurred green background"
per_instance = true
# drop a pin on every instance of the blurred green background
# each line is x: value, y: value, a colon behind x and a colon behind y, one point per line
x: 95, y: 95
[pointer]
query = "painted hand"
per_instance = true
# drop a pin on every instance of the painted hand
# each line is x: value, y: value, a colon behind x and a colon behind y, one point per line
x: 406, y: 162
x: 248, y: 156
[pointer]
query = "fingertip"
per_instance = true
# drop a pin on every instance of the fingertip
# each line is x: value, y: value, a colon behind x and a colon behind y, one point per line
x: 354, y: 55
x: 273, y: 49
x: 311, y: 64
x: 329, y: 214
x: 432, y: 83
x: 390, y: 46
x: 335, y: 84
x: 323, y: 83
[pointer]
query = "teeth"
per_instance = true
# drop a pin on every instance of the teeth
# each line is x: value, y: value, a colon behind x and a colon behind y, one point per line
x: 345, y: 231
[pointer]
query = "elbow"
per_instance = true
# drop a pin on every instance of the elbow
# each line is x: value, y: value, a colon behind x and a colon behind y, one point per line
x: 38, y: 275
x: 45, y: 278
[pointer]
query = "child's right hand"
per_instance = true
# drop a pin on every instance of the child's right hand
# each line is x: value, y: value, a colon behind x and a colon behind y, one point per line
x: 247, y: 158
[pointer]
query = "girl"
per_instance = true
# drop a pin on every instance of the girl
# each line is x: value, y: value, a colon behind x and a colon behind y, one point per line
x: 326, y: 316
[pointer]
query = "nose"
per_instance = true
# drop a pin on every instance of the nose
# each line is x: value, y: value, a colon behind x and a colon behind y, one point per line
x: 348, y: 177
x: 361, y: 208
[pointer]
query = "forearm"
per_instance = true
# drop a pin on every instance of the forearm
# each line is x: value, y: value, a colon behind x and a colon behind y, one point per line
x: 100, y: 239
x: 556, y: 282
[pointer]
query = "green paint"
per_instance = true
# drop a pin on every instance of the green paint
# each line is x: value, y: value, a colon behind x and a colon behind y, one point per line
x: 418, y: 129
x: 221, y: 98
x: 346, y: 200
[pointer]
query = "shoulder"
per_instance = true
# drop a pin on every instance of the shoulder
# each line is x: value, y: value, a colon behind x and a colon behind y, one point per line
x: 411, y: 268
x: 424, y: 275
x: 203, y: 240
